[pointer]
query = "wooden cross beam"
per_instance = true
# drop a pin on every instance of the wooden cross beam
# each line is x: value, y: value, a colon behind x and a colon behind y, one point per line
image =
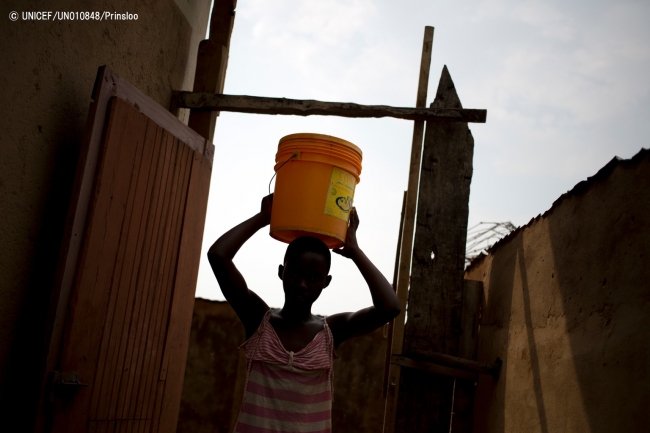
x: 309, y: 107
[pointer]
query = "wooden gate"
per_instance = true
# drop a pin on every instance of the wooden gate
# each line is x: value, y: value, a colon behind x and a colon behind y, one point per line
x: 128, y: 269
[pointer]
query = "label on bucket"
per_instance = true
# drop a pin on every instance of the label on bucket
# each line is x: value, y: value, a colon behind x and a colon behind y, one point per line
x: 340, y: 194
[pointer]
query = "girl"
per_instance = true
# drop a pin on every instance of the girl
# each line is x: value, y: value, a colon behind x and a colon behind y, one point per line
x: 290, y: 352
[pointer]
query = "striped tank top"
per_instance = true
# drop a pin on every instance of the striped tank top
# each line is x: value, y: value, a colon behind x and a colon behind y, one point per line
x: 287, y: 391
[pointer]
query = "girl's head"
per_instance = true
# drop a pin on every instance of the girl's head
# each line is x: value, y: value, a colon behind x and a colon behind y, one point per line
x: 304, y: 273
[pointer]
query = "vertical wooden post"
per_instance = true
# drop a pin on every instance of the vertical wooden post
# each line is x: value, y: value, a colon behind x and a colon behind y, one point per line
x: 407, y: 233
x: 464, y: 390
x: 211, y: 64
x: 388, y: 330
x: 436, y: 290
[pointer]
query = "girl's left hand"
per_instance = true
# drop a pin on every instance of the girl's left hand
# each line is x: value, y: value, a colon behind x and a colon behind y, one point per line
x: 351, y: 247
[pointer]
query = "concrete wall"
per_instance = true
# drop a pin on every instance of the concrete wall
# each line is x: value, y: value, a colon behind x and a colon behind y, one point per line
x: 567, y: 308
x: 45, y: 82
x: 215, y: 376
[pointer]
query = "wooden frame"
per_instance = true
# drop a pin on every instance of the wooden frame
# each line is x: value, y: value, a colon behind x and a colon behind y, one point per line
x: 309, y: 107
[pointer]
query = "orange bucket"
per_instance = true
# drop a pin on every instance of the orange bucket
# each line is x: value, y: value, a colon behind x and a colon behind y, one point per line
x: 314, y: 189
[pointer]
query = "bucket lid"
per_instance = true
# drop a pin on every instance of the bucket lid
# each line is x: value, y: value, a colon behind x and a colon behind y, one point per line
x: 322, y: 137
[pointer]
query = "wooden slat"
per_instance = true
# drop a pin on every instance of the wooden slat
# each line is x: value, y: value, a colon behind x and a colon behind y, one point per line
x: 211, y: 65
x: 464, y: 390
x: 127, y: 309
x: 172, y: 256
x: 156, y: 402
x: 121, y: 295
x: 463, y: 406
x: 170, y: 278
x: 111, y: 147
x: 423, y: 395
x: 104, y: 426
x: 433, y: 368
x: 171, y: 262
x: 443, y: 207
x: 184, y: 288
x: 407, y: 234
x: 141, y: 356
x: 89, y: 308
x: 149, y: 252
x: 436, y: 290
x: 134, y: 353
x: 391, y: 324
x: 128, y: 425
x: 169, y: 248
x: 310, y: 107
x: 125, y: 90
x: 459, y: 364
x: 157, y: 231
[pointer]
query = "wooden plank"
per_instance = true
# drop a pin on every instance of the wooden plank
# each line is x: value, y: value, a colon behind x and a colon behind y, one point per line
x: 133, y: 356
x: 310, y: 107
x: 463, y: 406
x: 167, y: 281
x: 403, y: 276
x: 433, y: 368
x: 426, y: 406
x: 123, y: 293
x: 142, y: 357
x: 436, y: 291
x: 438, y: 252
x: 211, y: 56
x: 88, y: 309
x: 458, y: 363
x: 127, y: 91
x: 91, y: 257
x: 391, y: 324
x: 211, y: 65
x: 103, y: 426
x: 464, y: 390
x: 150, y: 282
x: 156, y: 402
x: 170, y: 278
x: 184, y: 289
x: 170, y: 247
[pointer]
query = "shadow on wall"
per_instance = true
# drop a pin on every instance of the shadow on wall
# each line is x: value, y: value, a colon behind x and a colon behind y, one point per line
x: 494, y: 336
x: 216, y: 372
x: 568, y: 309
x: 601, y: 240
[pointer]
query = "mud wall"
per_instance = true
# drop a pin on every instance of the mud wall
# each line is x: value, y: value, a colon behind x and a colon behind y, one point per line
x: 567, y: 308
x: 215, y: 376
x: 48, y: 72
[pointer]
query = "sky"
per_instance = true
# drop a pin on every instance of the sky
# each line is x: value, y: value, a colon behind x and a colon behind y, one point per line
x: 566, y: 86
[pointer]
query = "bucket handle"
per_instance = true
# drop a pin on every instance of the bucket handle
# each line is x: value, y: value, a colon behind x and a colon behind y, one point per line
x: 294, y: 155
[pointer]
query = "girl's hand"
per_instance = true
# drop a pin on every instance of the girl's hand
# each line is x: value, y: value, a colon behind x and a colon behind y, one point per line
x: 265, y: 209
x: 351, y: 247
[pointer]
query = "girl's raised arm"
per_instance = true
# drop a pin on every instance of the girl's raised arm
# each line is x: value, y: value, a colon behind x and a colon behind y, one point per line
x: 249, y: 307
x: 385, y: 303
